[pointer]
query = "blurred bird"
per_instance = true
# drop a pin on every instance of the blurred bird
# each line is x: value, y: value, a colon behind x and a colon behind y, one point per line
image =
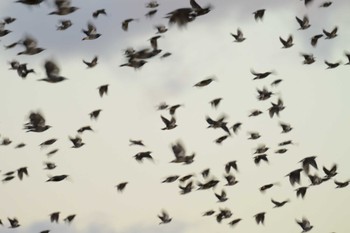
x: 49, y: 166
x: 308, y: 58
x: 348, y: 57
x: 285, y: 127
x: 52, y: 72
x: 30, y: 45
x: 304, y: 23
x: 276, y: 108
x: 95, y: 114
x: 151, y: 13
x: 22, y: 171
x: 255, y: 112
x: 205, y: 82
x: 259, y: 14
x: 266, y: 187
x: 91, y: 64
x: 36, y: 123
x: 331, y: 172
x: 264, y: 94
x: 170, y: 179
x: 258, y: 158
x: 301, y: 191
x: 279, y: 204
x: 103, y: 90
x: 341, y: 184
x: 186, y: 189
x: 153, y: 42
x: 161, y: 28
x: 181, y: 16
x: 222, y: 197
x: 260, y: 218
x: 234, y: 222
x: 231, y: 180
x: 48, y: 142
x: 198, y: 10
x: 207, y: 185
x: 152, y: 4
x: 91, y: 32
x: 261, y: 75
x: 294, y: 176
x: 85, y: 128
x: 63, y: 8
x: 306, y: 162
x: 287, y: 43
x: 220, y: 139
x: 57, y: 178
x: 231, y: 164
x: 276, y: 82
x: 173, y: 108
x: 142, y: 155
x: 332, y: 65
x: 54, y: 217
x: 326, y: 4
x: 98, y: 12
x: 136, y: 142
x: 235, y: 127
x: 315, y: 38
x: 164, y: 217
x: 69, y: 218
x: 64, y: 24
x: 30, y: 2
x: 125, y: 23
x: 332, y: 34
x: 77, y: 142
x: 205, y: 172
x: 254, y: 135
x: 121, y: 186
x: 208, y: 213
x: 305, y: 225
x: 169, y: 124
x: 215, y: 102
x: 13, y: 222
x: 239, y: 36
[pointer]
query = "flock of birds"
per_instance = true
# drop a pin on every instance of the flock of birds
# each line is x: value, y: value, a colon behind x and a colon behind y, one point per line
x: 136, y: 59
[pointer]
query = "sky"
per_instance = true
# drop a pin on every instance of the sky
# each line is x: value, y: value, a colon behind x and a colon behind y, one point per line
x: 315, y: 100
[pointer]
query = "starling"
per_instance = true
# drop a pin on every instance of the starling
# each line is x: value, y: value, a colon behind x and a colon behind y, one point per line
x: 96, y: 13
x: 52, y: 72
x: 259, y: 14
x: 239, y: 36
x: 91, y: 64
x: 304, y: 23
x: 121, y: 186
x: 164, y: 217
x: 287, y: 43
x: 332, y: 34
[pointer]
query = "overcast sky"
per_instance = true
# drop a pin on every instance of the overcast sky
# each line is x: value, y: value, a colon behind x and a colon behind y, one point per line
x: 315, y: 99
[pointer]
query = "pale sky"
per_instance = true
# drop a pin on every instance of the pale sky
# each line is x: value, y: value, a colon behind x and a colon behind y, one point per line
x: 315, y: 100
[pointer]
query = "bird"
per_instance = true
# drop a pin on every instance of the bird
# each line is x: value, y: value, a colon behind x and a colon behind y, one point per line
x: 52, y: 72
x: 57, y: 178
x: 48, y: 142
x: 30, y: 2
x: 125, y: 23
x: 304, y: 23
x: 205, y: 172
x: 279, y: 204
x: 308, y: 58
x: 169, y: 124
x: 307, y: 2
x: 142, y: 155
x: 219, y: 140
x: 121, y: 186
x: 221, y: 197
x: 63, y: 8
x: 151, y: 13
x: 179, y: 152
x: 284, y: 143
x: 36, y: 123
x: 261, y: 75
x: 331, y: 34
x: 254, y: 135
x: 231, y: 164
x: 152, y: 4
x: 215, y: 102
x: 208, y: 213
x: 307, y: 161
x: 22, y: 171
x: 234, y: 222
x: 332, y: 65
x: 259, y: 14
x: 49, y: 165
x: 315, y: 38
x: 276, y: 108
x: 84, y: 128
x: 136, y: 142
x: 64, y: 24
x: 301, y: 191
x: 223, y: 214
x: 95, y: 114
x: 287, y: 43
x: 285, y: 127
x: 187, y: 188
x: 276, y: 82
x: 69, y: 218
x: 98, y: 12
x: 20, y: 145
x: 264, y: 94
x: 305, y: 225
x: 173, y: 108
x: 331, y: 172
x: 134, y: 63
x: 294, y: 176
x: 266, y: 187
x: 153, y: 41
x: 54, y: 217
x: 258, y: 158
x: 30, y: 45
x: 77, y: 142
x: 239, y: 36
x: 231, y: 180
x: 91, y: 32
x: 170, y: 179
x: 54, y: 151
x: 181, y: 17
x: 235, y: 127
x: 255, y: 112
x: 161, y: 28
x: 13, y: 222
x: 198, y: 10
x: 205, y: 82
x: 164, y: 217
x: 341, y: 184
x: 326, y: 4
x: 91, y: 64
x: 207, y: 185
x: 348, y: 57
x: 260, y: 217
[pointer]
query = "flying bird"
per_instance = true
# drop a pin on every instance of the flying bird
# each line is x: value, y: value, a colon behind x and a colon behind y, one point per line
x: 164, y: 217
x: 30, y: 45
x: 121, y: 186
x: 95, y: 114
x: 307, y: 162
x: 91, y: 32
x: 77, y: 142
x: 91, y: 64
x: 169, y: 124
x: 331, y: 34
x: 52, y: 72
x: 315, y: 38
x: 259, y: 14
x: 98, y: 12
x: 260, y: 218
x: 305, y: 225
x: 64, y: 24
x: 239, y: 36
x: 294, y: 176
x: 287, y: 43
x: 304, y: 23
x: 63, y: 8
x: 54, y: 217
x: 205, y: 82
